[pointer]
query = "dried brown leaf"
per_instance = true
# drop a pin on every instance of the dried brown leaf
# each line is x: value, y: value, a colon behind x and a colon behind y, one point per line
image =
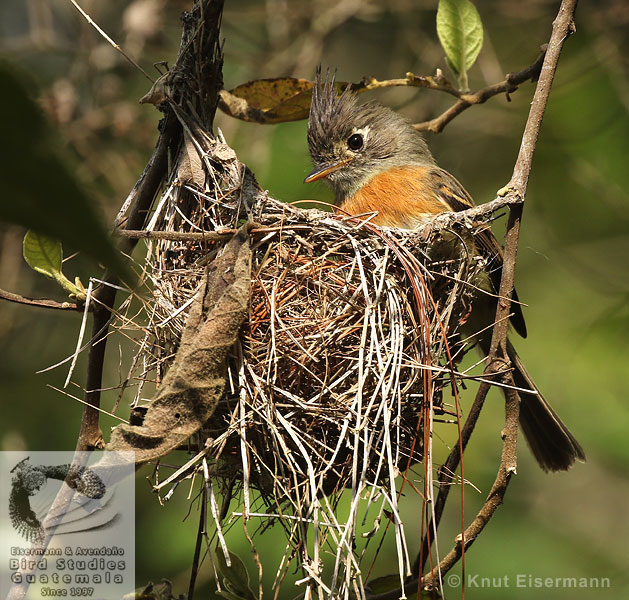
x: 158, y: 94
x: 191, y: 169
x: 269, y: 101
x: 195, y: 381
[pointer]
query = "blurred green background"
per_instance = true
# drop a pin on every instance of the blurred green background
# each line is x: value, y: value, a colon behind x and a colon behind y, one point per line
x: 572, y: 266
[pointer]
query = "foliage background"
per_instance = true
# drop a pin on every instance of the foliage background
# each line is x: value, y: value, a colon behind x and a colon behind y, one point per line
x: 572, y: 264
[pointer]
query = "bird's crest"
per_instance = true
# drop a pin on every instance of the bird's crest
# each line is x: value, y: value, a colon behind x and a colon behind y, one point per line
x: 328, y: 111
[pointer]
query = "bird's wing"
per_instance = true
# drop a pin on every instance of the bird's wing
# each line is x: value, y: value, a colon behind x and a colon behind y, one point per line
x: 455, y: 196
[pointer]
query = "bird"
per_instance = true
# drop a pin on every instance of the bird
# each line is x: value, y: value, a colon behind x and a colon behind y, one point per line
x: 377, y: 162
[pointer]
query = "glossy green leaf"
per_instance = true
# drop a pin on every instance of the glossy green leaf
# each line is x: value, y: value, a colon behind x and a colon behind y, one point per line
x: 460, y: 32
x: 44, y: 254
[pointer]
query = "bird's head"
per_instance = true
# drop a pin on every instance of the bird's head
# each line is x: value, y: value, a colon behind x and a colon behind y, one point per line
x: 350, y: 143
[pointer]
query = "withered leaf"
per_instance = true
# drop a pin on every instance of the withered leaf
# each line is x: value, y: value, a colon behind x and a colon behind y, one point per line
x: 190, y: 168
x: 158, y: 94
x: 269, y: 101
x: 195, y: 381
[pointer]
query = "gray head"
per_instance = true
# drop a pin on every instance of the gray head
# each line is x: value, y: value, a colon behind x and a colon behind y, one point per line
x: 350, y: 143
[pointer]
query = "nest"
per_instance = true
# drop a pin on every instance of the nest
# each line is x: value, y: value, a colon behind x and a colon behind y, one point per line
x: 339, y: 368
x: 337, y: 355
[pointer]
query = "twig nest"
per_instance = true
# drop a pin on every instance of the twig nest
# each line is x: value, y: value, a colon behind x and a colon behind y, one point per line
x: 343, y: 357
x: 350, y: 336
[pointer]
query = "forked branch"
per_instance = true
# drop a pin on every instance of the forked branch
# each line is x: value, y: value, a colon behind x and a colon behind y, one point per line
x: 563, y: 26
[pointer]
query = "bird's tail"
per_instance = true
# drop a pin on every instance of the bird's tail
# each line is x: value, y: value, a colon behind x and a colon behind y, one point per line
x: 551, y: 442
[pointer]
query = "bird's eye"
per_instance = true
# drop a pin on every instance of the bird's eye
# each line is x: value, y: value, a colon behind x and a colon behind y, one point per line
x: 355, y: 142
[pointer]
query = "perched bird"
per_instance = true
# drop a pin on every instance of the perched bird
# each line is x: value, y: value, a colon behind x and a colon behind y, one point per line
x: 377, y: 162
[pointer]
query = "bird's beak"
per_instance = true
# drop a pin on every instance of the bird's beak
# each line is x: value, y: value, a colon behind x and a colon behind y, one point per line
x: 325, y: 170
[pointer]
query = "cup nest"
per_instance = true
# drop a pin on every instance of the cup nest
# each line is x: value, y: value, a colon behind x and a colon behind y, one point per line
x: 351, y: 337
x: 345, y: 352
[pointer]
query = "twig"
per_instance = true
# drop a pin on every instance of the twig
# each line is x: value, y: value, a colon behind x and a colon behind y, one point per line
x: 496, y: 494
x: 79, y: 340
x: 41, y: 303
x: 563, y: 26
x: 221, y: 235
x: 116, y: 46
x: 447, y: 471
x: 443, y: 221
x: 90, y: 435
x: 239, y: 108
x: 207, y: 13
x: 177, y: 236
x: 105, y: 412
x: 465, y: 99
x: 201, y: 532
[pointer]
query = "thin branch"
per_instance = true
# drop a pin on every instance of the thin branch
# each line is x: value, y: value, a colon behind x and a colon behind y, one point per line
x: 493, y: 501
x: 509, y: 85
x: 41, y: 302
x: 208, y: 14
x: 222, y: 235
x: 176, y: 236
x: 563, y: 26
x: 447, y: 472
x: 444, y: 221
x: 465, y: 99
x: 109, y: 40
x: 239, y: 107
x: 150, y: 181
x: 496, y: 494
x: 201, y: 532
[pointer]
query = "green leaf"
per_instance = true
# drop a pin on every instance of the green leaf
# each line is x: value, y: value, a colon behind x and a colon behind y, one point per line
x: 44, y: 255
x: 460, y: 32
x: 236, y: 577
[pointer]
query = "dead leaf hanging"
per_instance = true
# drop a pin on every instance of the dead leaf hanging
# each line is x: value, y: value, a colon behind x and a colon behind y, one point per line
x: 195, y: 381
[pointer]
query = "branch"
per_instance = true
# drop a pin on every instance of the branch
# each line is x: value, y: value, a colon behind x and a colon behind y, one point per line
x: 513, y: 196
x: 143, y: 193
x: 42, y: 303
x: 205, y: 16
x: 445, y: 476
x: 283, y: 99
x: 465, y: 100
x: 563, y: 26
x: 110, y: 41
x: 496, y: 495
x: 206, y: 236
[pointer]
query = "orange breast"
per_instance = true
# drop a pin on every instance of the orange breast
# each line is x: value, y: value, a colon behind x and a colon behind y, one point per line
x: 403, y: 197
